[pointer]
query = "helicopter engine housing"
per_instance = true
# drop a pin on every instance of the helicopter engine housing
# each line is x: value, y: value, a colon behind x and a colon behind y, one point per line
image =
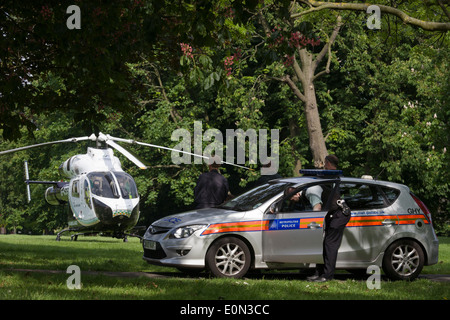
x: 93, y: 160
x: 58, y: 195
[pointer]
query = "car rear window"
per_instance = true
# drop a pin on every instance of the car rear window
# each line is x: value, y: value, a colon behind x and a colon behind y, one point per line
x: 361, y: 196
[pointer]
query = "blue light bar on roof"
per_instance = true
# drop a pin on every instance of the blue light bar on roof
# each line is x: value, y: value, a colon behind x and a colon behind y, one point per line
x: 320, y: 172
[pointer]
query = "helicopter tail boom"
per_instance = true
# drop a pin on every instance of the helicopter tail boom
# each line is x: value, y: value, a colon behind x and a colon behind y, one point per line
x: 57, y: 195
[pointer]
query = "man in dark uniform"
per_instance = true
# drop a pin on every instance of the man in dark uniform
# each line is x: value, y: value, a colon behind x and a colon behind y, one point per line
x: 267, y: 177
x: 212, y: 187
x: 335, y: 222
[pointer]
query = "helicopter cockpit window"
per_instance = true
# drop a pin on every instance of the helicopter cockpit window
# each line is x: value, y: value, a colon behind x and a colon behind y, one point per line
x: 103, y: 184
x: 127, y: 185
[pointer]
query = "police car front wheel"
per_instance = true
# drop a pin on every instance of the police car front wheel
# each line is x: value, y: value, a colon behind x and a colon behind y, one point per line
x: 228, y: 257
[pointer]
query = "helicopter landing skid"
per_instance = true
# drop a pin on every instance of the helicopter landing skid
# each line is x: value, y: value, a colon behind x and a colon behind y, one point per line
x: 132, y: 235
x: 74, y: 237
x: 58, y: 236
x: 125, y: 236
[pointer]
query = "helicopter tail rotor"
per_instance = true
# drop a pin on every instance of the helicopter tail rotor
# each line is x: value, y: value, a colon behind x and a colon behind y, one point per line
x: 27, y: 178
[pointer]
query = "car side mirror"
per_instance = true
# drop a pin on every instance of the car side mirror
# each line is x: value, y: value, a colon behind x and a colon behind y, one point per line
x: 273, y: 209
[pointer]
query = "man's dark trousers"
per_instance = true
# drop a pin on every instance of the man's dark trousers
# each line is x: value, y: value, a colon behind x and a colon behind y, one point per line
x: 334, y: 230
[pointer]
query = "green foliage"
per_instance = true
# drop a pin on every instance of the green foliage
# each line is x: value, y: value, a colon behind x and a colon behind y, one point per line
x: 389, y: 115
x: 142, y: 69
x: 46, y: 66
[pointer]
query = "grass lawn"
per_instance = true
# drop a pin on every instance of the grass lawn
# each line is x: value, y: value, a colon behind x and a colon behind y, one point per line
x: 96, y: 256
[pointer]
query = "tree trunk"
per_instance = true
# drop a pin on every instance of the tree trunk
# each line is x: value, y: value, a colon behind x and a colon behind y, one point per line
x: 305, y: 72
x: 316, y: 138
x: 293, y: 132
x: 306, y: 75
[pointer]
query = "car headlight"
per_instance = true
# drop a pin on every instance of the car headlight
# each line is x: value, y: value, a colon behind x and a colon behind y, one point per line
x: 186, y: 231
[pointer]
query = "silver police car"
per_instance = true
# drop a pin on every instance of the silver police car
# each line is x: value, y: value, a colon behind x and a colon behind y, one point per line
x: 279, y: 225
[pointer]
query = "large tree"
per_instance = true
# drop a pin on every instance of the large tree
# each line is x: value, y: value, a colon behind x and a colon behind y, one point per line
x: 308, y: 64
x: 46, y: 65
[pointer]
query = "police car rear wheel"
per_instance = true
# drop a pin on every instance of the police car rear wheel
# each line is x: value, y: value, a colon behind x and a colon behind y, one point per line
x: 403, y: 260
x: 228, y: 258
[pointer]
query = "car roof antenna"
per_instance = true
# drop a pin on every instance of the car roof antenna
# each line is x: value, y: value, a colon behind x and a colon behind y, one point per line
x: 376, y: 178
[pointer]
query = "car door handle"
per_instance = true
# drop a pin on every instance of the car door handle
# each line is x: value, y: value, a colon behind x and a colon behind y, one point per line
x: 313, y: 225
x: 389, y: 222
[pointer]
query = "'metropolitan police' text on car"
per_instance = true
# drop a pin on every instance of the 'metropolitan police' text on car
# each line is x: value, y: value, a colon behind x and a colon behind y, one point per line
x: 264, y: 229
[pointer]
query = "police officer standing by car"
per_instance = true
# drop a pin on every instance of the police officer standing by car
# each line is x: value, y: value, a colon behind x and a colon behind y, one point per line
x: 212, y: 187
x: 335, y: 221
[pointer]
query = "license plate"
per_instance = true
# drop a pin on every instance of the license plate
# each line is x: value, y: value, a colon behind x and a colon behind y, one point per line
x: 149, y: 244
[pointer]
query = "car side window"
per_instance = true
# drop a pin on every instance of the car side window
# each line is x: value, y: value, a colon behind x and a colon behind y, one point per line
x: 311, y: 198
x: 361, y: 196
x: 391, y: 194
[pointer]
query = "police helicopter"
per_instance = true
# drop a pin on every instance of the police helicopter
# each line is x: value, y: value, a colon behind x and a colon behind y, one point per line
x: 102, y: 197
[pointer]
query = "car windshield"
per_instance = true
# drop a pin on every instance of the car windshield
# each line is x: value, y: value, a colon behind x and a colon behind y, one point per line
x: 254, y: 198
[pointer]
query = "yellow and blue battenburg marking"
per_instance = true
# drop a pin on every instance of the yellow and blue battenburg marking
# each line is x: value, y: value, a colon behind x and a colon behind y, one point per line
x: 126, y: 213
x: 303, y: 223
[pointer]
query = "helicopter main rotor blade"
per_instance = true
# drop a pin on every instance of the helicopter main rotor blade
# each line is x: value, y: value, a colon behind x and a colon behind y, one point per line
x: 109, y: 141
x: 126, y: 153
x: 170, y: 149
x: 47, y: 143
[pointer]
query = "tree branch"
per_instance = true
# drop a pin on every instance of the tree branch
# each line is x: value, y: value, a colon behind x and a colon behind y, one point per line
x: 298, y: 71
x: 287, y: 79
x: 173, y: 112
x: 321, y: 5
x: 327, y: 49
x: 327, y: 68
x: 444, y: 8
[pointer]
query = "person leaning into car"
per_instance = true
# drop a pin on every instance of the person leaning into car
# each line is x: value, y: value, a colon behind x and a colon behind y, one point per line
x: 212, y: 188
x: 335, y: 222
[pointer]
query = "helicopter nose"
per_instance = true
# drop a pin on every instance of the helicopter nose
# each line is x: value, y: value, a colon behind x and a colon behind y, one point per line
x: 122, y: 212
x: 126, y: 210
